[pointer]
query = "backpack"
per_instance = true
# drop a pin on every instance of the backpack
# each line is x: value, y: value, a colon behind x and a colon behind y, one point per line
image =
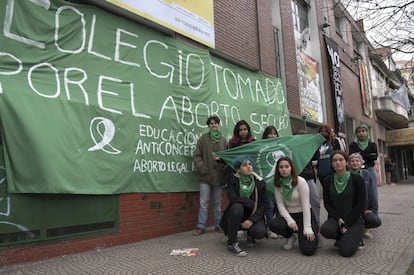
x: 324, y: 162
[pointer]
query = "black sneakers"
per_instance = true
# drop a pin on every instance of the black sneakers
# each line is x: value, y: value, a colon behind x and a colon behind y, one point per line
x: 361, y: 245
x: 251, y: 242
x: 236, y: 250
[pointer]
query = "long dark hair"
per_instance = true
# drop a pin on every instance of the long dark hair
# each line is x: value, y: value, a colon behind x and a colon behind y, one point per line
x: 268, y: 130
x: 236, y: 132
x: 293, y: 173
x: 325, y: 128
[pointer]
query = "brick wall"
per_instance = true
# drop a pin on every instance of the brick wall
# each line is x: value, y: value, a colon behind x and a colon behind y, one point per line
x: 235, y: 24
x: 352, y: 93
x: 266, y: 38
x: 244, y: 32
x: 289, y: 51
x: 240, y: 34
x: 141, y: 216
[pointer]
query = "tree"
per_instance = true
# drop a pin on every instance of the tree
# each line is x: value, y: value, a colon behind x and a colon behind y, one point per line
x: 388, y: 23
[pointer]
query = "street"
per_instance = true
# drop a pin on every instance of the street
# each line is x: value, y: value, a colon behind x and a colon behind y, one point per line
x: 391, y: 251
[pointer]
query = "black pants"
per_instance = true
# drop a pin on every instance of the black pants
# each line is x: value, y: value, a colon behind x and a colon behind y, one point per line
x: 280, y: 226
x: 234, y: 216
x: 348, y: 242
x: 371, y: 220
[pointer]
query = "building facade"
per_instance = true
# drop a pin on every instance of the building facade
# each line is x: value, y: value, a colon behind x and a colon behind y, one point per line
x: 51, y: 225
x: 330, y: 75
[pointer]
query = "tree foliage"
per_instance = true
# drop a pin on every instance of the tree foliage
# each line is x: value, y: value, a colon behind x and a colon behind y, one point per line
x: 388, y: 23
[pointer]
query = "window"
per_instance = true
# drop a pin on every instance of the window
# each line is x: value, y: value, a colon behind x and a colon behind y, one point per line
x: 340, y: 26
x: 357, y: 47
x: 276, y: 34
x: 349, y: 129
x: 300, y: 15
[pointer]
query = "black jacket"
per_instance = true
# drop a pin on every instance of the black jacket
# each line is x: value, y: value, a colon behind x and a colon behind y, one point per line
x: 370, y: 154
x: 358, y: 200
x: 308, y: 173
x: 233, y: 194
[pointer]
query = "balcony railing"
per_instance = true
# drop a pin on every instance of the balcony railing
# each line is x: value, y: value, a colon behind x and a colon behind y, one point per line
x: 391, y: 111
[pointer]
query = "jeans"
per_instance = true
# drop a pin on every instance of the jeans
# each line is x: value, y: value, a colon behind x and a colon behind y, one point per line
x: 271, y: 211
x: 373, y: 191
x: 205, y: 190
x: 315, y: 201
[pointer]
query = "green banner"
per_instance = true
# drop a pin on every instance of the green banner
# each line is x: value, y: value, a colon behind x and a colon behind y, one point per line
x: 265, y: 153
x: 91, y: 103
x: 37, y: 217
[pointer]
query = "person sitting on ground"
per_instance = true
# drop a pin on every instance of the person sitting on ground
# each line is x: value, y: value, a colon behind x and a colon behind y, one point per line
x: 370, y: 216
x: 292, y: 199
x: 248, y: 202
x: 344, y: 200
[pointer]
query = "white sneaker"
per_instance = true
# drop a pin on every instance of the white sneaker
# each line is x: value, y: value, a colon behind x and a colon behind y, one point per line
x: 240, y: 234
x: 290, y: 242
x: 272, y: 235
x: 236, y: 250
x: 368, y: 235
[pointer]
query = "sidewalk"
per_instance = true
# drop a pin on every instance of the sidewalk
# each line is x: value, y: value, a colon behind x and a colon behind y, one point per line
x: 390, y: 252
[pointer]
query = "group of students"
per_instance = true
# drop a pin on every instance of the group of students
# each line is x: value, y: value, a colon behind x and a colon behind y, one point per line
x: 349, y: 192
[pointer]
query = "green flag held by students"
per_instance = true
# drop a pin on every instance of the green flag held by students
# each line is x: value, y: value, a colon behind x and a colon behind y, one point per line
x: 265, y: 153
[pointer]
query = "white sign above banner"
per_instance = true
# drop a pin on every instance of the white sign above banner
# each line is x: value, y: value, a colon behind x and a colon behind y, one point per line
x: 194, y: 19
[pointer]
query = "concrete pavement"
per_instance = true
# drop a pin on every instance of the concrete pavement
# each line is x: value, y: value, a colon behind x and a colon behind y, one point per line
x: 390, y: 252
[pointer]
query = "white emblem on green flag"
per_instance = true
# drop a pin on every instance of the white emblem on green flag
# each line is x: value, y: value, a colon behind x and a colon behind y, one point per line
x: 265, y: 153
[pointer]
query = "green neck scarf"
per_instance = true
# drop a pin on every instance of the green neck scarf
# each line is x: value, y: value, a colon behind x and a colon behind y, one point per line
x: 215, y: 135
x: 246, y: 186
x: 363, y: 143
x: 287, y: 188
x: 341, y: 182
x: 358, y: 172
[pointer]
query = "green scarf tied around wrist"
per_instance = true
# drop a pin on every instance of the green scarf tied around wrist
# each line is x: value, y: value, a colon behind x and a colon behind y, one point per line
x: 246, y: 186
x: 341, y: 182
x: 287, y: 188
x: 215, y: 135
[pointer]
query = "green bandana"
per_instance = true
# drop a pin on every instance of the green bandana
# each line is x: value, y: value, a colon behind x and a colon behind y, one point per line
x: 341, y: 182
x: 215, y: 135
x: 287, y: 188
x: 362, y: 144
x: 246, y: 186
x: 358, y: 172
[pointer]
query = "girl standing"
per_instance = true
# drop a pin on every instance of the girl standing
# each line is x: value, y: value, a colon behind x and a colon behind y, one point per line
x: 241, y: 134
